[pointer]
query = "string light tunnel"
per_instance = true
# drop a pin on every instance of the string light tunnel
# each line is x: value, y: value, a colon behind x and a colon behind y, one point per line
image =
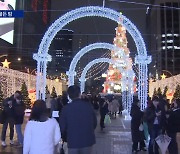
x: 42, y: 57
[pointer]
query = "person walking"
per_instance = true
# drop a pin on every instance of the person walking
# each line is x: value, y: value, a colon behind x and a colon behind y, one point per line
x: 8, y: 107
x: 136, y: 122
x: 41, y: 133
x: 19, y: 109
x: 103, y: 104
x: 114, y: 106
x: 77, y: 123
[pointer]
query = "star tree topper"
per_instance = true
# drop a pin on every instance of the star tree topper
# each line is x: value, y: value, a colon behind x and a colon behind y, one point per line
x: 6, y: 63
x: 163, y: 76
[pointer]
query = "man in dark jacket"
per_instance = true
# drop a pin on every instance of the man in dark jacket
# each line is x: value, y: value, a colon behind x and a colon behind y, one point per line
x: 19, y: 118
x: 78, y: 122
x: 103, y: 104
x: 8, y: 108
x: 136, y: 121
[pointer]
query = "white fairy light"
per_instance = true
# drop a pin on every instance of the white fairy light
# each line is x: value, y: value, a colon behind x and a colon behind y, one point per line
x: 90, y: 64
x: 42, y: 57
x: 85, y: 50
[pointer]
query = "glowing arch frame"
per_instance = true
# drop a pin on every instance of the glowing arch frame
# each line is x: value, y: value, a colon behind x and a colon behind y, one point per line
x: 95, y: 61
x: 127, y: 77
x: 43, y: 57
x: 71, y: 73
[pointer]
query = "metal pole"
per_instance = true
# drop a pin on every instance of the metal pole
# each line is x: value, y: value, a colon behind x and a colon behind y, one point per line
x: 103, y: 3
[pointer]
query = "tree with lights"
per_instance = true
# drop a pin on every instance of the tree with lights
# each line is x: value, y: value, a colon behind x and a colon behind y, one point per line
x: 159, y: 92
x: 177, y: 93
x: 113, y: 77
x: 165, y: 91
x: 47, y: 90
x: 53, y: 93
x: 25, y: 95
x: 154, y: 93
x: 1, y: 97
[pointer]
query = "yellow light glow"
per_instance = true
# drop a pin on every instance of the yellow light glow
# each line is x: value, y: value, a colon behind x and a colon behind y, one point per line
x: 6, y: 63
x: 57, y: 80
x: 163, y: 76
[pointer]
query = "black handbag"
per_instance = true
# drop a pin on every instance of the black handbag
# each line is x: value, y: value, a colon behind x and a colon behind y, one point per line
x: 2, y: 116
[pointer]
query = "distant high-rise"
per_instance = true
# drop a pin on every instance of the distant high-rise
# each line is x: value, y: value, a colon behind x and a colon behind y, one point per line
x: 163, y: 19
x: 61, y: 52
x: 29, y: 32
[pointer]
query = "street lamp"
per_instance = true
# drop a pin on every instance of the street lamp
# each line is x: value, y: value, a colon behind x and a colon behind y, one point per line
x: 19, y: 59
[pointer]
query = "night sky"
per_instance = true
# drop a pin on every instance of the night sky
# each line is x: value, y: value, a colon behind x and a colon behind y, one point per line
x: 95, y: 29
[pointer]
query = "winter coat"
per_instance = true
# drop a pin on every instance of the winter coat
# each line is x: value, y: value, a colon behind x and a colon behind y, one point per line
x: 150, y: 116
x: 8, y: 110
x: 104, y: 109
x: 174, y: 121
x: 137, y: 116
x: 41, y: 137
x: 114, y: 106
x: 78, y: 121
x: 19, y: 112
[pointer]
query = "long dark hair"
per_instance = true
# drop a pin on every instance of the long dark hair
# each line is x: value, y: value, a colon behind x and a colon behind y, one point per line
x: 38, y: 109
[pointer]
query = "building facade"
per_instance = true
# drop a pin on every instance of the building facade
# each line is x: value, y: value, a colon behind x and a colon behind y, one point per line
x: 61, y: 52
x: 29, y: 32
x: 163, y: 24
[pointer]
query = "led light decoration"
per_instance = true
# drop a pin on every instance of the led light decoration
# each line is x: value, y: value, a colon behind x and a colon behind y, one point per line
x: 99, y: 60
x: 12, y: 80
x: 71, y: 73
x: 142, y: 62
x: 6, y: 63
x: 42, y: 57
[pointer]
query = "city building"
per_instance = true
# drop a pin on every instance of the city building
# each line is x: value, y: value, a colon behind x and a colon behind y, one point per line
x: 61, y: 52
x: 163, y: 26
x: 28, y: 32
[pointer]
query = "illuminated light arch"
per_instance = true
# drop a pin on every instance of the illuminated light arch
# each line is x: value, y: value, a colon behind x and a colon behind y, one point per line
x: 82, y: 79
x: 43, y: 57
x: 71, y: 73
x: 127, y: 79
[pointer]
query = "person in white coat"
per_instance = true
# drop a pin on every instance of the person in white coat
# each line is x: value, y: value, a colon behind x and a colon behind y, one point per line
x: 114, y: 106
x: 41, y: 134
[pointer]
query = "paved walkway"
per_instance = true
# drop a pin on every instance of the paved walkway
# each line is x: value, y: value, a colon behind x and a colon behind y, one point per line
x: 114, y: 139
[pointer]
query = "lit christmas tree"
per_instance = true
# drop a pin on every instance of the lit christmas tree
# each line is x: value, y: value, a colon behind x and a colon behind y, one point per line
x: 113, y: 76
x: 165, y: 91
x: 47, y: 90
x: 53, y: 93
x: 154, y: 93
x: 159, y: 92
x: 25, y: 95
x: 177, y: 93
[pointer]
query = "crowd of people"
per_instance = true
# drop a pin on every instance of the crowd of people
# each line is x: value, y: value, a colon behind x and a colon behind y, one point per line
x: 158, y: 118
x: 77, y: 120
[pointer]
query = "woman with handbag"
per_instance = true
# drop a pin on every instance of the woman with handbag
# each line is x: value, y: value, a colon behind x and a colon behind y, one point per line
x: 137, y: 131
